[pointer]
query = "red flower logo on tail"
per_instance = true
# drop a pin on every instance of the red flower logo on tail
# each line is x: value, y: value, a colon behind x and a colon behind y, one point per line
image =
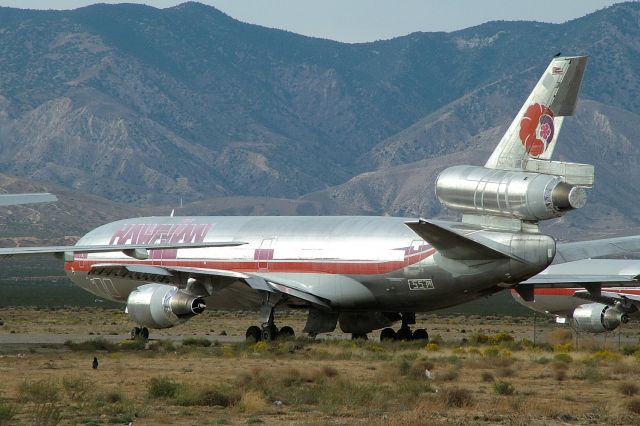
x: 536, y: 129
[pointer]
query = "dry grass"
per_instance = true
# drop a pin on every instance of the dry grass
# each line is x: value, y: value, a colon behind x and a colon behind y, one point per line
x: 253, y: 402
x: 335, y: 382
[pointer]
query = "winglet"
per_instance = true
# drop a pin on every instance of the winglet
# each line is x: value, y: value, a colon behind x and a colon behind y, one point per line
x: 457, y: 246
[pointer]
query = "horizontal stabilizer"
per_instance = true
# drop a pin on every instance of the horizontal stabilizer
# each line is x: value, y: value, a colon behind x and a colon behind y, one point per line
x: 454, y: 245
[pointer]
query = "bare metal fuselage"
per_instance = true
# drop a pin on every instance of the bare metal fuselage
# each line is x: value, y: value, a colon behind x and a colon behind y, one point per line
x: 357, y: 263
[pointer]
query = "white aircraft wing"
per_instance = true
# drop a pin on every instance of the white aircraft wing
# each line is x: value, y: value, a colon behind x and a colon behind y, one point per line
x: 585, y: 271
x: 622, y: 247
x: 591, y: 274
x: 204, y: 281
x: 137, y: 251
x: 15, y: 199
x: 610, y: 298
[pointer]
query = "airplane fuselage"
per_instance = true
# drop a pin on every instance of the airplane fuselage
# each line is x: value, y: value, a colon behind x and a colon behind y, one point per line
x: 356, y: 263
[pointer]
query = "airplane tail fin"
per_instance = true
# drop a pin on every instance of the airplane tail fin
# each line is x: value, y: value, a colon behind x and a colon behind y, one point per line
x: 533, y: 133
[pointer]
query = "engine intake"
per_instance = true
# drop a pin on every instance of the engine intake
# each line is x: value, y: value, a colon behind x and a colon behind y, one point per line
x: 162, y: 306
x: 598, y: 318
x: 515, y: 194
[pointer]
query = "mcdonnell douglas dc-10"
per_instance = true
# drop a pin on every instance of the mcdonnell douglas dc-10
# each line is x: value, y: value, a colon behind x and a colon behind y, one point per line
x: 363, y: 273
x: 595, y: 284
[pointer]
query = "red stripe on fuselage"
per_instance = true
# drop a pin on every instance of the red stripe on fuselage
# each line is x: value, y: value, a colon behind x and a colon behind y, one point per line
x: 305, y: 266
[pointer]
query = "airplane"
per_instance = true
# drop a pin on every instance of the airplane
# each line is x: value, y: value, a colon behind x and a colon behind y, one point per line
x: 363, y: 273
x: 594, y: 284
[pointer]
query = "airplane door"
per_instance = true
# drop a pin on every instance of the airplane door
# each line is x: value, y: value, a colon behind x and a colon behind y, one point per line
x: 414, y: 268
x: 264, y: 254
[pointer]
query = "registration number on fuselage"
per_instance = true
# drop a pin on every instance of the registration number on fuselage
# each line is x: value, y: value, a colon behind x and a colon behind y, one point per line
x: 421, y: 284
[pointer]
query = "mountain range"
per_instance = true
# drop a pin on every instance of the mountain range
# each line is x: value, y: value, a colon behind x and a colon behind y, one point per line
x: 125, y: 110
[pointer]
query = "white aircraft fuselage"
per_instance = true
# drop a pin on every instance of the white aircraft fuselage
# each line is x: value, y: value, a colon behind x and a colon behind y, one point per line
x: 354, y: 263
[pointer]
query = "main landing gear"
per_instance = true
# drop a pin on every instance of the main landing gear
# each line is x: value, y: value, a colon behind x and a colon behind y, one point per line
x: 140, y: 333
x: 359, y: 336
x: 404, y: 332
x: 269, y: 331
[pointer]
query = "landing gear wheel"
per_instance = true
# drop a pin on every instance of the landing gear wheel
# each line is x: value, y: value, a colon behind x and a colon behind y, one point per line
x: 387, y: 335
x: 404, y: 333
x: 253, y: 333
x: 144, y: 333
x: 269, y: 333
x: 135, y: 332
x: 421, y: 334
x: 359, y: 336
x: 286, y: 332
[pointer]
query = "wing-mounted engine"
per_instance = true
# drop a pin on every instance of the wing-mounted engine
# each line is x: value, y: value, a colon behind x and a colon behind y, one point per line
x: 507, y: 193
x: 598, y: 318
x: 162, y: 306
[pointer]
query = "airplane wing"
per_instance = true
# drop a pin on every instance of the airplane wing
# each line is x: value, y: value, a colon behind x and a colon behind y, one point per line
x: 205, y: 282
x: 586, y: 271
x: 454, y: 245
x: 610, y: 298
x: 137, y: 251
x: 591, y: 274
x: 15, y: 199
x: 623, y: 247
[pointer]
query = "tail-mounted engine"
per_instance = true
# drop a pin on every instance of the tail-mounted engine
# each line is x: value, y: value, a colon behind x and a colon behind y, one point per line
x: 507, y: 193
x: 162, y: 306
x: 598, y: 318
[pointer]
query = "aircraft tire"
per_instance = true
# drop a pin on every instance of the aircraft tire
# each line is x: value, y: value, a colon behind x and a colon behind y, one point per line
x: 135, y: 332
x: 286, y: 332
x: 144, y: 333
x: 388, y: 334
x: 420, y: 334
x: 269, y: 333
x: 254, y: 333
x: 404, y: 333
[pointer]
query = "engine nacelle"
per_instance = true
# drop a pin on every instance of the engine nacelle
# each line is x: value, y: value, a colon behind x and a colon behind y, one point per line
x: 598, y: 318
x: 162, y: 306
x: 514, y: 194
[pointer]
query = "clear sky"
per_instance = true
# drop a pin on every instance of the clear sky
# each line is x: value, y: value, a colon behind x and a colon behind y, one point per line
x: 367, y: 20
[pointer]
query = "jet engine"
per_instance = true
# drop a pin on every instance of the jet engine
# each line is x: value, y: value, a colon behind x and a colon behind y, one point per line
x: 162, y: 306
x: 507, y: 193
x: 598, y: 318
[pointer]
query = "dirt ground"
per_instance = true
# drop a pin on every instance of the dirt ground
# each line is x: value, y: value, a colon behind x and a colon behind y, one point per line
x: 475, y: 370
